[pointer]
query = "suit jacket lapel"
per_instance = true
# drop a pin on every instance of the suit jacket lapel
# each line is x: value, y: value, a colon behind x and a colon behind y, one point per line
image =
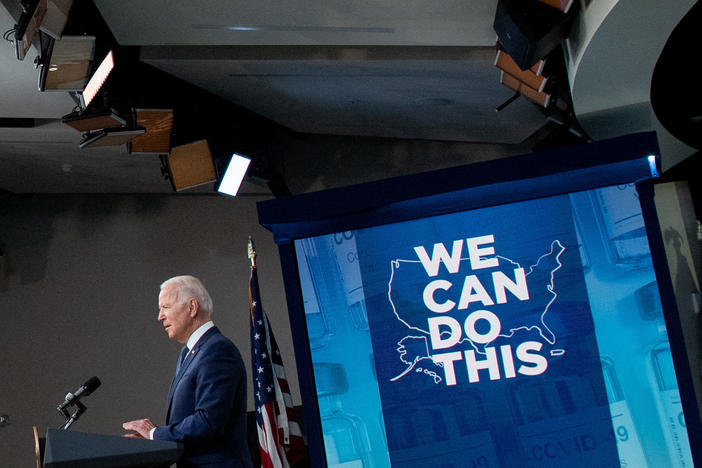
x: 184, y: 367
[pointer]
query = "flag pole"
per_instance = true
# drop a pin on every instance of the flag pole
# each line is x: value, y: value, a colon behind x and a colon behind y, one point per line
x: 252, y: 259
x: 252, y: 252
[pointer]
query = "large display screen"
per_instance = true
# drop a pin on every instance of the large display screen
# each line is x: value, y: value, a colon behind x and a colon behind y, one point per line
x: 524, y: 334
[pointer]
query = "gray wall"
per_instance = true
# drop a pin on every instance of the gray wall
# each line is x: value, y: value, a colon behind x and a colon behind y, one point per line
x: 79, y: 283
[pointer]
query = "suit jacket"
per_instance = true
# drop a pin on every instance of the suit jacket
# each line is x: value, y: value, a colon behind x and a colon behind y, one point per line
x: 207, y: 405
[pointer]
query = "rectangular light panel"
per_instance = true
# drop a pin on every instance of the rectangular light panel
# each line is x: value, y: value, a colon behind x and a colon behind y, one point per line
x: 70, y: 63
x: 234, y: 175
x: 159, y: 125
x: 91, y: 121
x: 98, y: 79
x: 56, y: 17
x: 191, y: 165
x: 110, y: 137
x: 23, y: 43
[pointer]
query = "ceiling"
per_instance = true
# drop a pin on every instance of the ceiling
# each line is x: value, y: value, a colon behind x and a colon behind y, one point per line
x: 320, y: 93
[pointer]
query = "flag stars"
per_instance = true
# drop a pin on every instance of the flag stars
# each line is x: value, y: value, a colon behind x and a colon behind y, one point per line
x: 267, y: 373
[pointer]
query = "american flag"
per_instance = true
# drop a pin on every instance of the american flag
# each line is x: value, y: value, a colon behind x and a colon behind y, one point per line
x: 279, y: 435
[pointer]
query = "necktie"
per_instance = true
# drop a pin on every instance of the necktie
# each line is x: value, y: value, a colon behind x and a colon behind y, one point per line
x: 183, y: 355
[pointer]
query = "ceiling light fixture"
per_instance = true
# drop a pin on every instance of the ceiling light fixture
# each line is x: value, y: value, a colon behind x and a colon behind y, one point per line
x: 284, y: 28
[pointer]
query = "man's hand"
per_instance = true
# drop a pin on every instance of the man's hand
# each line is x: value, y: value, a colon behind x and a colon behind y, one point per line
x: 142, y: 427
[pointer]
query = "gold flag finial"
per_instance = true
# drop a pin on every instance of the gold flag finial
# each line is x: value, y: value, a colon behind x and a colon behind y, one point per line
x: 252, y: 252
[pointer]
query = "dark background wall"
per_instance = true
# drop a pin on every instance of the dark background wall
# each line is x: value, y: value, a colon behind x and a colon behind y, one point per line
x: 79, y: 279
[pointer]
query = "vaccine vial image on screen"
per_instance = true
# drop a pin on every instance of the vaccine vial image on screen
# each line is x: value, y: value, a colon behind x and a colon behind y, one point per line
x: 670, y: 407
x: 623, y: 224
x: 341, y: 349
x: 563, y: 403
x: 438, y: 433
x: 628, y: 443
x: 319, y: 328
x: 626, y: 307
x: 346, y: 440
x: 343, y: 244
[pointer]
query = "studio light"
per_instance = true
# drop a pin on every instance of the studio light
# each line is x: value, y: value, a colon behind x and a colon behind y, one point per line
x: 234, y: 175
x: 531, y: 77
x: 97, y: 80
x: 91, y: 120
x: 159, y: 125
x: 65, y: 65
x: 26, y: 29
x: 56, y: 17
x: 191, y: 165
x: 110, y: 137
x: 539, y: 97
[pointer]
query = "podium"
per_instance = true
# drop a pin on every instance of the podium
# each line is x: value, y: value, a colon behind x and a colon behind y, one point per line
x: 63, y: 448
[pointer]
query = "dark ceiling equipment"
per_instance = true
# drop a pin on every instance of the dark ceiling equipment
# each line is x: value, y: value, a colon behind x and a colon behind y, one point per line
x: 94, y: 119
x: 133, y: 89
x: 111, y: 137
x: 530, y: 83
x: 530, y: 29
x: 65, y: 65
x: 546, y: 85
x: 27, y: 27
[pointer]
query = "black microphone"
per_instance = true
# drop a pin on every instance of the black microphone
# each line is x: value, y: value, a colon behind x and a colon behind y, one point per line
x: 86, y: 389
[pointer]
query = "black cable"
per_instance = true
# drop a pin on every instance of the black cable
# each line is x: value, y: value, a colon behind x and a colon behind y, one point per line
x: 7, y: 35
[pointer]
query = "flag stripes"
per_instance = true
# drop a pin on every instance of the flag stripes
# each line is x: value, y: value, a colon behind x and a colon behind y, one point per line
x: 280, y: 437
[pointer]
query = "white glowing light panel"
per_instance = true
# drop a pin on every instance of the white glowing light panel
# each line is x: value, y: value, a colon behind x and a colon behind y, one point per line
x: 234, y: 175
x: 98, y: 79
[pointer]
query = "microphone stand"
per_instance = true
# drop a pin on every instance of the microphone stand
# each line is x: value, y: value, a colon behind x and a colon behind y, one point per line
x: 80, y: 409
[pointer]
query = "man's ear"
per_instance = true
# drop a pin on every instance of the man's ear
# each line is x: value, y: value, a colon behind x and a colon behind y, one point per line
x: 193, y: 307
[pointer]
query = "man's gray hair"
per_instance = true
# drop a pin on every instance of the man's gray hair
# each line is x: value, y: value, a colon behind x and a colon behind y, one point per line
x: 191, y: 287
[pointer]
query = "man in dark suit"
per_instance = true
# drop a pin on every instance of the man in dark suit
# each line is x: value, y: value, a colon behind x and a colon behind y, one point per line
x: 207, y: 399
